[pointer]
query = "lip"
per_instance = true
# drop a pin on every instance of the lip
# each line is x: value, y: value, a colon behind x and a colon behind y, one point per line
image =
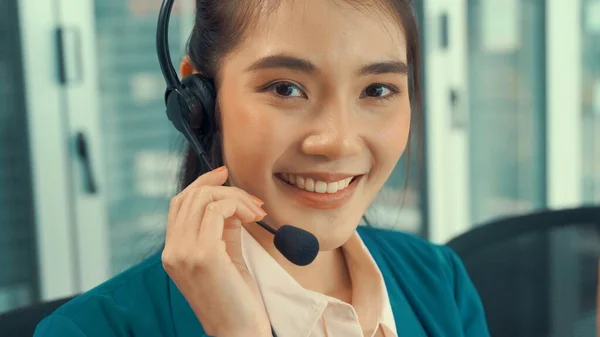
x: 325, y: 201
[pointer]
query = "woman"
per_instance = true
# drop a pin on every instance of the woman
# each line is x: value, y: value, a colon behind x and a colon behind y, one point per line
x: 314, y: 107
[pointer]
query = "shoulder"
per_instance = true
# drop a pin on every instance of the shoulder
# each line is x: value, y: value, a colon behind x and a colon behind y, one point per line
x: 419, y: 261
x: 145, y: 278
x: 405, y: 248
x: 124, y: 303
x: 429, y: 278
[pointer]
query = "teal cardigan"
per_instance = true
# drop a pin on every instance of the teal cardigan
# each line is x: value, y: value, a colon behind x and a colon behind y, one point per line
x: 429, y: 290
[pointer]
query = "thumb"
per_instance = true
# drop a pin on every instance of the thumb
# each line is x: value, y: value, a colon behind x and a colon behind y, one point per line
x: 232, y: 236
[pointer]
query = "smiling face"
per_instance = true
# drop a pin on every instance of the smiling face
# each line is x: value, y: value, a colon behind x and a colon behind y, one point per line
x: 315, y: 113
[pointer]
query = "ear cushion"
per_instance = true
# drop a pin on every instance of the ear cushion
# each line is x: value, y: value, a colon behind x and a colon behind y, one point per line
x: 203, y: 90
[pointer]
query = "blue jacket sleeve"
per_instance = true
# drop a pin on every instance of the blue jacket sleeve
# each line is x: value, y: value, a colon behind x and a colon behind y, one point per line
x: 467, y: 299
x: 57, y: 325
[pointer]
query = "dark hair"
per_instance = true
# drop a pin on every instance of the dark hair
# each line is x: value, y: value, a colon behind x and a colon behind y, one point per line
x: 221, y: 25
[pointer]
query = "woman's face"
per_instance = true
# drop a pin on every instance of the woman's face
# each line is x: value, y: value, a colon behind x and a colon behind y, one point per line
x: 315, y: 113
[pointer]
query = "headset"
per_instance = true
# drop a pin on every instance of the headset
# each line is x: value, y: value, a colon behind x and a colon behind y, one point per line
x: 195, y: 95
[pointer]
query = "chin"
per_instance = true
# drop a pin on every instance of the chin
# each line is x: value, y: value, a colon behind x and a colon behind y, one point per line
x: 331, y: 239
x: 331, y: 228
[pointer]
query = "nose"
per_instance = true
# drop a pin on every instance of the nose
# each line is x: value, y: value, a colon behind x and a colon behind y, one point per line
x: 335, y: 136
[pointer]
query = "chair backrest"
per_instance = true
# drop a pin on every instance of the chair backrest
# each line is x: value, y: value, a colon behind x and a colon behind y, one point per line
x: 537, y: 274
x: 22, y: 322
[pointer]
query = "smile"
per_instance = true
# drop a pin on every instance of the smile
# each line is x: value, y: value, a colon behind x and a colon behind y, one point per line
x: 322, y: 191
x: 316, y: 186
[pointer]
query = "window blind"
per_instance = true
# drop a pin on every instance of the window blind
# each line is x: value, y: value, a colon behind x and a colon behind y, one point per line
x: 18, y: 261
x: 141, y: 147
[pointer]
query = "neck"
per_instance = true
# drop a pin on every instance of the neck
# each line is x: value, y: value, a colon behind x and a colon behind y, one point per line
x: 328, y: 274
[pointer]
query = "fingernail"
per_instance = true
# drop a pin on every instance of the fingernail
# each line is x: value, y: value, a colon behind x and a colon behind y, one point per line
x: 257, y: 200
x: 220, y: 169
x: 261, y: 212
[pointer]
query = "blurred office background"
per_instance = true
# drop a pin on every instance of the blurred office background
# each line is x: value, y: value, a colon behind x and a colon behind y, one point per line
x: 88, y: 160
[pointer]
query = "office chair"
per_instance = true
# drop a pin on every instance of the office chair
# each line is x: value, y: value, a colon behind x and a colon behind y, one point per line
x: 537, y: 274
x: 22, y: 322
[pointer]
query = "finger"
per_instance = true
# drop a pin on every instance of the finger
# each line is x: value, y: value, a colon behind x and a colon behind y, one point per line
x: 198, y: 198
x: 241, y: 214
x: 215, y: 215
x: 232, y: 236
x: 244, y: 211
x: 216, y: 177
x: 213, y: 193
x: 189, y: 218
x: 174, y: 208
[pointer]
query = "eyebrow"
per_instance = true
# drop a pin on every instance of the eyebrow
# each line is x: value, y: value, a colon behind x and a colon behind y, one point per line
x: 394, y: 67
x: 283, y: 61
x: 305, y: 66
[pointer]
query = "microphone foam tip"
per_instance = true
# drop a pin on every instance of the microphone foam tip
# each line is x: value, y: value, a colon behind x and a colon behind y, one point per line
x: 297, y: 245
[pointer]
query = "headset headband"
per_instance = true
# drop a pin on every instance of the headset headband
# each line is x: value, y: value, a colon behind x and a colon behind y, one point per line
x: 162, y: 46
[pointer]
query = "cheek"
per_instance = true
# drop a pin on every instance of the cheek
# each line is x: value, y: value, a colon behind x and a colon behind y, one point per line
x: 391, y: 139
x: 246, y: 140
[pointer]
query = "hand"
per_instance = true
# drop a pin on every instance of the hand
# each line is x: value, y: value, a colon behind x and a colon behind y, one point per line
x: 202, y: 255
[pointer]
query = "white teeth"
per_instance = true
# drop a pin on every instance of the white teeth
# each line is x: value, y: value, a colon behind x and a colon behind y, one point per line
x: 332, y: 187
x: 309, y: 185
x: 300, y: 182
x: 318, y: 186
x: 342, y: 184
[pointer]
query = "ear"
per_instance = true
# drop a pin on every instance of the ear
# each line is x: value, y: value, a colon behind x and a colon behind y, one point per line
x: 186, y: 68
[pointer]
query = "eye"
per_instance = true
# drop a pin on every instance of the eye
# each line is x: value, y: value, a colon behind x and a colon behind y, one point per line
x: 379, y: 91
x: 286, y: 89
